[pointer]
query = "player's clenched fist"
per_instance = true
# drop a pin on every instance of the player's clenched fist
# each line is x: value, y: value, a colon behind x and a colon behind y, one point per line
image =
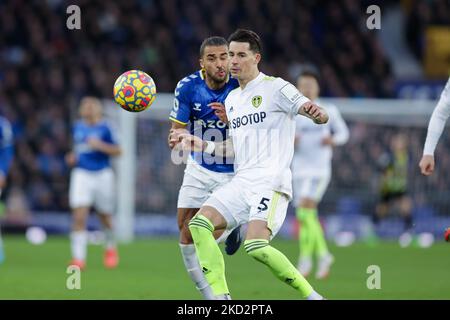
x: 314, y: 112
x: 426, y: 165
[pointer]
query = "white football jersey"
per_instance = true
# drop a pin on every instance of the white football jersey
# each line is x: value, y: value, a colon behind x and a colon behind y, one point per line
x: 311, y: 157
x: 437, y: 121
x: 262, y: 128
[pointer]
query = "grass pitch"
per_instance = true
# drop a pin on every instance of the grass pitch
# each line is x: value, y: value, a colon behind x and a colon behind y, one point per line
x: 153, y: 269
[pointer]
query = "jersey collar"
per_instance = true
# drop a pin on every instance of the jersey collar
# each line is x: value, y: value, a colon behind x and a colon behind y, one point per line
x: 251, y: 84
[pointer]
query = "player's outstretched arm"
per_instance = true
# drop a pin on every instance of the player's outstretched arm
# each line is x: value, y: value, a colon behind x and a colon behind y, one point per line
x: 339, y: 128
x: 110, y: 149
x: 189, y: 142
x: 175, y: 126
x: 314, y: 112
x: 435, y: 128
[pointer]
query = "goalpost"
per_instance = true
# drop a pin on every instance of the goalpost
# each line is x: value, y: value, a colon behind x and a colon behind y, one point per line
x: 131, y: 132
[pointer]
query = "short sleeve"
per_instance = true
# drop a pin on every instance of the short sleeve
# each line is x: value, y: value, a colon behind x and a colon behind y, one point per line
x: 181, y: 110
x: 287, y: 97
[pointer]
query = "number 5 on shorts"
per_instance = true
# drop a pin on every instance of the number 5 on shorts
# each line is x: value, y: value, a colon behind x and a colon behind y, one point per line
x: 263, y: 205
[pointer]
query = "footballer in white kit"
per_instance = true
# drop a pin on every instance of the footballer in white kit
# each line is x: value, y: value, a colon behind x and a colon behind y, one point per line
x: 262, y: 129
x: 435, y: 128
x: 261, y: 114
x: 311, y: 165
x: 311, y: 169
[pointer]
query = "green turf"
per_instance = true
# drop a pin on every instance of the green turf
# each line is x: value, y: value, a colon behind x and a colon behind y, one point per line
x: 153, y: 269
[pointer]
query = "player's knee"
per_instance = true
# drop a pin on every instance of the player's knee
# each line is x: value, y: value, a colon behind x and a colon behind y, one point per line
x: 183, y: 224
x: 308, y: 203
x: 255, y: 248
x: 184, y: 216
x: 381, y: 210
x: 405, y: 212
x: 79, y: 222
x: 185, y: 234
x: 200, y: 222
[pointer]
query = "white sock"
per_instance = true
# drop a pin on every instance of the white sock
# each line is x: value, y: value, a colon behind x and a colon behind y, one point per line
x: 314, y: 296
x: 78, y: 244
x: 195, y: 271
x: 110, y: 241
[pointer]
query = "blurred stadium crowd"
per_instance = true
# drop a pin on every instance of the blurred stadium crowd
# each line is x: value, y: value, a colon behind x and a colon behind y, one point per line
x: 45, y: 69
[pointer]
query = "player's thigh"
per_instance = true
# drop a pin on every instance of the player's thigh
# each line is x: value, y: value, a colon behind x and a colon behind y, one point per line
x: 403, y: 203
x: 80, y: 189
x: 231, y: 203
x: 105, y: 199
x: 270, y: 207
x: 193, y: 191
x: 79, y: 215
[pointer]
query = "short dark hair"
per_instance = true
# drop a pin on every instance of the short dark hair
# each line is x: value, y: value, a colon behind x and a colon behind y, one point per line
x: 214, y: 42
x: 244, y: 35
x: 309, y: 72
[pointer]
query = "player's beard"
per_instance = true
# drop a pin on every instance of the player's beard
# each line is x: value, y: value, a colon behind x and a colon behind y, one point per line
x: 217, y: 80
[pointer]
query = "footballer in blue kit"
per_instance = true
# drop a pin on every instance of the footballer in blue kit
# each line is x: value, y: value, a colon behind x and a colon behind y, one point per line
x: 198, y: 108
x: 92, y: 180
x: 6, y: 156
x: 192, y: 106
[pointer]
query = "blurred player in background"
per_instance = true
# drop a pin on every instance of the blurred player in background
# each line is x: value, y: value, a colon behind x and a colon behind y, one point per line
x: 435, y: 128
x: 393, y: 186
x: 92, y: 180
x: 261, y: 115
x: 6, y: 156
x: 198, y: 102
x: 311, y: 168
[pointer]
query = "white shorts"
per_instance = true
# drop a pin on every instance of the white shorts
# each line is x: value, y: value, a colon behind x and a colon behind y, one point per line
x: 240, y: 202
x: 92, y: 189
x: 198, y: 185
x: 310, y: 187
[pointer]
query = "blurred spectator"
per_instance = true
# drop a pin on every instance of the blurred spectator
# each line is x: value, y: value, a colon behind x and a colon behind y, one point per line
x: 421, y: 14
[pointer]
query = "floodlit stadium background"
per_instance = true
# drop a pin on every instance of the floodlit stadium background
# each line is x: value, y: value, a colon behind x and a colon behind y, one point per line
x: 383, y: 81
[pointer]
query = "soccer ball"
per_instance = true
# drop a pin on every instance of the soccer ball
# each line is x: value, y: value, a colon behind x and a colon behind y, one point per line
x: 134, y: 91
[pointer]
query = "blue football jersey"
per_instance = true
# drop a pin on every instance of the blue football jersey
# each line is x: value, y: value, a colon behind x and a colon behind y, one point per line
x: 88, y: 158
x: 6, y: 145
x: 192, y: 96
